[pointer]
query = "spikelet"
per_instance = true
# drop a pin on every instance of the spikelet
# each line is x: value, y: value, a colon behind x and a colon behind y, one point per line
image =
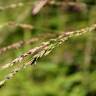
x: 56, y: 41
x: 43, y: 50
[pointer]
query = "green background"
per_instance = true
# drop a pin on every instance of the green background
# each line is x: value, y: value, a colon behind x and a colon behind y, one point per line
x: 70, y: 69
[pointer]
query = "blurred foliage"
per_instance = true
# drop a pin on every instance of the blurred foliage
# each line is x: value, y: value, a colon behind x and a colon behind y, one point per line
x: 66, y: 70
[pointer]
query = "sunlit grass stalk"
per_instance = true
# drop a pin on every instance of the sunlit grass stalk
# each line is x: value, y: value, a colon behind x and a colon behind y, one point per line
x: 18, y: 45
x: 14, y: 24
x: 36, y: 6
x: 57, y: 41
x: 13, y: 6
x: 39, y: 4
x: 25, y: 42
x: 43, y: 50
x: 22, y: 25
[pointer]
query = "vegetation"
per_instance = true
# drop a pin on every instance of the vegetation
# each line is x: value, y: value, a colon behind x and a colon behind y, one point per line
x: 47, y: 48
